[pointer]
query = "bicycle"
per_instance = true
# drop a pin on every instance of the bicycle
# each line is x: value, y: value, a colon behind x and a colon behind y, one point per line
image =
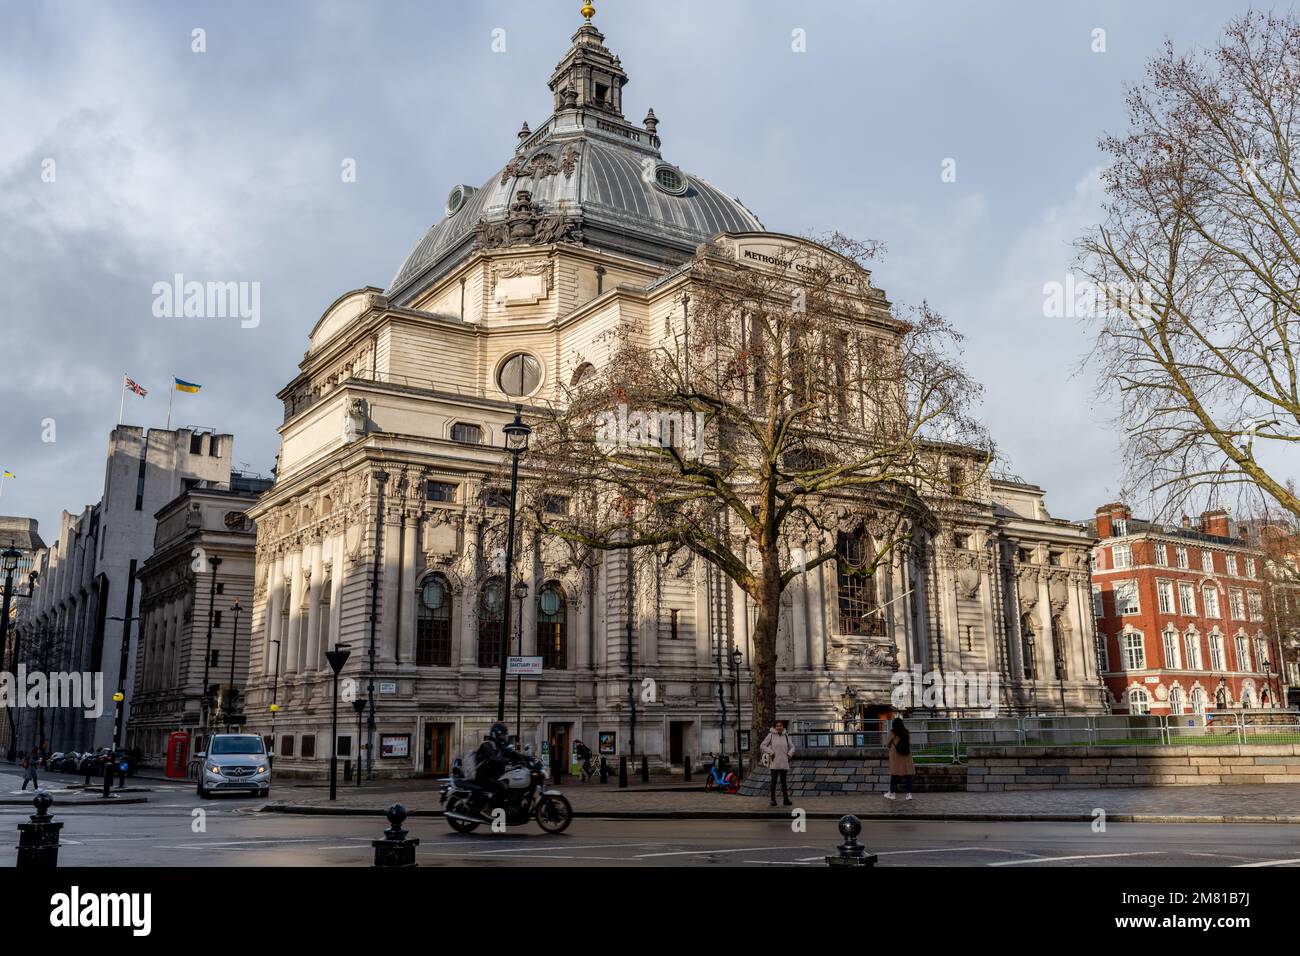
x: 720, y: 776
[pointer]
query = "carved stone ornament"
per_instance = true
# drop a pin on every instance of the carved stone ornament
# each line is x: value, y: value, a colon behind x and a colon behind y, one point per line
x: 569, y: 160
x: 525, y: 225
x: 354, y: 425
x: 528, y: 267
x: 858, y: 653
x: 538, y: 166
x: 968, y: 583
x: 1058, y: 592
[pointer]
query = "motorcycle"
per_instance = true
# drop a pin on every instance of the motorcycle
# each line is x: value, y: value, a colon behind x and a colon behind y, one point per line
x: 525, y: 796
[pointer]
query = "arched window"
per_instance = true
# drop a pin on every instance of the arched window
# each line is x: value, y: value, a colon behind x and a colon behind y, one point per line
x: 1176, y: 701
x: 1248, y: 696
x: 1058, y: 647
x: 1139, y: 701
x: 1243, y: 652
x: 857, y: 594
x: 552, y: 633
x: 433, y: 623
x: 1221, y: 699
x: 582, y: 373
x: 491, y: 606
x: 1198, y: 701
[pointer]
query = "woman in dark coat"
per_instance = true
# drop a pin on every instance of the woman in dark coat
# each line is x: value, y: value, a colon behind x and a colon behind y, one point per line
x: 900, y: 758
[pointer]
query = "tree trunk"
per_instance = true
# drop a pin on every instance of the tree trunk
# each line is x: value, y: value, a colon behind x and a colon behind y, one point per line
x: 765, y: 629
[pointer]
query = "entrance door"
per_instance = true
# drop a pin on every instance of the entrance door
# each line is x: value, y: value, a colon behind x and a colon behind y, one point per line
x: 437, y: 749
x: 558, y: 737
x: 676, y: 738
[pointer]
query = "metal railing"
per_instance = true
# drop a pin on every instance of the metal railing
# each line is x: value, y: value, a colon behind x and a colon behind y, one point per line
x: 946, y: 739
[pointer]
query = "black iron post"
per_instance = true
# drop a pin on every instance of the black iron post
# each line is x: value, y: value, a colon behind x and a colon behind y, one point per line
x: 381, y: 479
x: 516, y: 433
x: 234, y: 646
x: 274, y: 708
x: 736, y: 658
x: 119, y: 696
x: 214, y: 562
x: 359, y: 706
x: 336, y: 658
x: 521, y: 591
x: 631, y: 678
x: 38, y: 841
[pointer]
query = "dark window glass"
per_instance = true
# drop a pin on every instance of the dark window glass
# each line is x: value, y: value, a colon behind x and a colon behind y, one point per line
x: 440, y: 491
x: 344, y: 746
x: 286, y: 745
x: 433, y: 624
x: 466, y: 434
x: 552, y: 637
x: 857, y: 593
x: 309, y: 745
x: 490, y: 609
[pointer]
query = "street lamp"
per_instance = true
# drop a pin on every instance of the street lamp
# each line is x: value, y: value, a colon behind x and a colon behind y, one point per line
x: 359, y: 705
x: 336, y: 658
x: 517, y: 433
x: 521, y: 592
x: 736, y: 658
x: 215, y: 563
x: 275, y: 686
x: 120, y: 696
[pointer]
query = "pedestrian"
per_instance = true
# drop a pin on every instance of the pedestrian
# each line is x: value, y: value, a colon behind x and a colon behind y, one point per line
x: 777, y: 748
x: 901, y: 765
x: 30, y: 762
x: 584, y: 757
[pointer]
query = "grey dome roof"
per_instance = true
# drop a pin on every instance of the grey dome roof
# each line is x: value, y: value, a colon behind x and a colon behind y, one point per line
x: 610, y: 185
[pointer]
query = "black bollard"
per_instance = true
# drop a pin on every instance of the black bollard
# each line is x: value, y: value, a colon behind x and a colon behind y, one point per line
x: 38, y: 841
x: 687, y: 760
x: 395, y: 849
x: 604, y: 770
x: 851, y: 852
x: 645, y: 769
x: 622, y: 771
x: 108, y: 779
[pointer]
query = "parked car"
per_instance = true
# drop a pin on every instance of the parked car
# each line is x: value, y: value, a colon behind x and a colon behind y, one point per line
x: 69, y: 763
x: 54, y: 760
x: 232, y: 763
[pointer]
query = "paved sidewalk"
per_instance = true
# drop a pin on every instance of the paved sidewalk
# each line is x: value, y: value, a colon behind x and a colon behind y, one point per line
x: 1272, y: 803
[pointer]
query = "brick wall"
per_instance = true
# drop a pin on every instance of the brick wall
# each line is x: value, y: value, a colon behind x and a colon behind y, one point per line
x: 1048, y: 768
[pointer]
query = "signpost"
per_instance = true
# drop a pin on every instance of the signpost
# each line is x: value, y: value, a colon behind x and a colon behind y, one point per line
x: 521, y: 667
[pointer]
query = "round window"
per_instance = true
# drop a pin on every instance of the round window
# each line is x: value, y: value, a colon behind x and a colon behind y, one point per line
x: 670, y: 180
x: 550, y: 601
x: 520, y: 375
x: 492, y: 597
x: 456, y: 198
x: 433, y: 594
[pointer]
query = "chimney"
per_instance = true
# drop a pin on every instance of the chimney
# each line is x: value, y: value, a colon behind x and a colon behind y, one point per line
x: 1108, y: 516
x: 1215, y: 522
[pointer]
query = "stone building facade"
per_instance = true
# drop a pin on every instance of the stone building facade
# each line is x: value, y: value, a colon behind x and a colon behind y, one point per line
x: 181, y: 596
x: 384, y: 527
x: 1181, y: 616
x: 22, y: 535
x: 87, y: 591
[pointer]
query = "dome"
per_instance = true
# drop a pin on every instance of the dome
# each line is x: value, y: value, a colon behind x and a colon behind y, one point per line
x: 587, y: 176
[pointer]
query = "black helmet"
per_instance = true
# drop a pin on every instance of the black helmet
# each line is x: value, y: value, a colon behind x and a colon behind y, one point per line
x: 499, y: 732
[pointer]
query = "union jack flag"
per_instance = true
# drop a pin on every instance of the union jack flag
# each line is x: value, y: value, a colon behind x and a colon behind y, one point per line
x: 133, y: 386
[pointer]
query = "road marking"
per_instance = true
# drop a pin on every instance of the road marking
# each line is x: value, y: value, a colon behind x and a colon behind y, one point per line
x: 223, y: 844
x: 1081, y: 856
x: 1267, y: 863
x: 747, y: 849
x: 953, y: 849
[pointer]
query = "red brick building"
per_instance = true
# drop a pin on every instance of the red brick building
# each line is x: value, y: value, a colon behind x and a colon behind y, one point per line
x: 1181, y: 622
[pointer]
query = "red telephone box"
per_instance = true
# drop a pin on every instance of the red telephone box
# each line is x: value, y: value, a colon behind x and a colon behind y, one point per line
x: 178, y: 753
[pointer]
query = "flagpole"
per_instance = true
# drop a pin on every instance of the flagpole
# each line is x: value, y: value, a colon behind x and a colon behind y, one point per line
x: 170, y: 396
x: 121, y: 401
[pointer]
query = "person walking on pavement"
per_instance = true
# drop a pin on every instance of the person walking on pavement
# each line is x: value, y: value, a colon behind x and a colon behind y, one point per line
x: 778, y: 749
x: 901, y: 765
x: 30, y: 763
x: 584, y: 757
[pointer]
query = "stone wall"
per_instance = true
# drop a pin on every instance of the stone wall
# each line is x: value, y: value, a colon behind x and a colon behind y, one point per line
x: 836, y: 770
x: 1055, y: 768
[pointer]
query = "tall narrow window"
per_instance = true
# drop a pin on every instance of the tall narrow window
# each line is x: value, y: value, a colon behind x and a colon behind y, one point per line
x: 433, y: 624
x: 552, y: 636
x: 857, y: 593
x: 491, y: 606
x: 1139, y: 701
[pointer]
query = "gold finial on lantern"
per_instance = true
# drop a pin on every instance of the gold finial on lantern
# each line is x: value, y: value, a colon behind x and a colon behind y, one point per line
x: 588, y: 11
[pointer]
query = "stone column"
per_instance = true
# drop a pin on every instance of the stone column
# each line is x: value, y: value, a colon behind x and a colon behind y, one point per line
x: 466, y: 618
x: 274, y: 602
x: 388, y: 589
x: 338, y: 572
x: 295, y: 616
x: 311, y: 659
x: 410, y: 573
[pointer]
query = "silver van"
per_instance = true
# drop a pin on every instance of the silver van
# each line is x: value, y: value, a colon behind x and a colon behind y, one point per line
x: 234, y: 762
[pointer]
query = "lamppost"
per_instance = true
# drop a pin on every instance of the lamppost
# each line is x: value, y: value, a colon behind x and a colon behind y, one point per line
x: 234, y: 646
x: 336, y: 658
x: 521, y: 592
x: 359, y: 705
x: 517, y: 433
x: 214, y: 562
x: 9, y: 562
x: 119, y: 698
x: 1060, y: 681
x: 1033, y: 668
x: 275, y: 686
x: 381, y: 481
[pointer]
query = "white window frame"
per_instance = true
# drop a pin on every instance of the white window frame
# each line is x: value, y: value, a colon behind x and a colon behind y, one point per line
x: 1216, y: 652
x: 1241, y: 644
x: 1139, y: 701
x: 1177, y: 703
x: 1210, y: 600
x: 1250, y: 567
x: 1121, y: 608
x: 1133, y: 651
x: 1186, y: 608
x: 1173, y: 659
x: 1098, y: 611
x: 1162, y: 555
x: 1192, y: 650
x: 1255, y: 605
x: 1181, y: 554
x: 1230, y: 563
x: 1121, y: 556
x: 1207, y: 562
x: 1165, y: 594
x: 1237, y: 604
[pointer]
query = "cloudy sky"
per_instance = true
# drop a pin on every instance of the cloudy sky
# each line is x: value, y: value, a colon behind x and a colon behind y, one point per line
x: 226, y: 165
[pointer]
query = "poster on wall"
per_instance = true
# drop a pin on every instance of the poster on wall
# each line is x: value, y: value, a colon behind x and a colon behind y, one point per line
x: 395, y: 745
x: 607, y: 742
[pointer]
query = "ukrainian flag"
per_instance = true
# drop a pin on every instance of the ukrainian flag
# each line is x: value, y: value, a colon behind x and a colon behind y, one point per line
x: 10, y: 474
x: 184, y: 386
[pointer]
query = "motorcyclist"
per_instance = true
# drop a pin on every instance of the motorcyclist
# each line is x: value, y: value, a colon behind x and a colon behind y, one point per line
x: 494, y: 757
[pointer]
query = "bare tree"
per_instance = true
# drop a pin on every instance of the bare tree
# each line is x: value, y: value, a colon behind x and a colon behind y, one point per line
x: 779, y: 402
x: 1197, y: 269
